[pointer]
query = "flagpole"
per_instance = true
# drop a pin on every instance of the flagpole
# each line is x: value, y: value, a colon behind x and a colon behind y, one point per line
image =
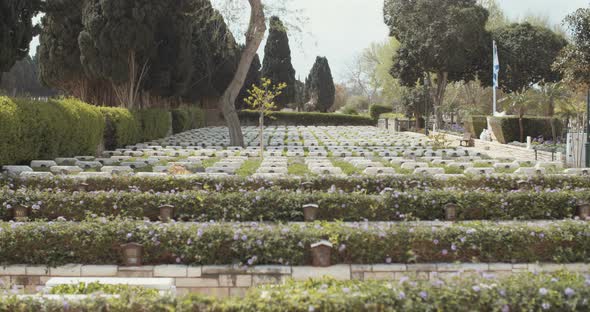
x: 494, y: 48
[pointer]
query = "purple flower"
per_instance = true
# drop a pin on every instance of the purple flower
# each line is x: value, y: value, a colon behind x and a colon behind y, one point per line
x: 543, y: 291
x: 435, y: 241
x: 402, y: 295
x: 342, y: 248
x: 129, y: 235
x: 244, y: 237
x: 445, y: 252
x: 569, y: 292
x: 346, y: 290
x: 476, y: 288
x: 453, y: 247
x: 423, y: 295
x: 546, y: 306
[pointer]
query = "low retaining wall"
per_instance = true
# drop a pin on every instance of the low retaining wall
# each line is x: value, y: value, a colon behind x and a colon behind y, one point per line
x: 224, y: 281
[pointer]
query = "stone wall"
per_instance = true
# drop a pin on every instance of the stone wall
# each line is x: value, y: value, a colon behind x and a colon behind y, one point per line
x: 223, y: 281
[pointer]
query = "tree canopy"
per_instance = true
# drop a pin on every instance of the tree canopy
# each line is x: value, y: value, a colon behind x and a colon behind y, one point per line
x: 319, y: 86
x: 447, y: 38
x: 276, y: 65
x: 16, y: 30
x: 527, y: 54
x: 574, y: 61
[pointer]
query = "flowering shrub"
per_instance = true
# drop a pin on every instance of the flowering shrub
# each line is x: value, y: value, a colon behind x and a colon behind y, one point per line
x: 285, y: 206
x: 98, y: 242
x: 369, y: 185
x: 519, y: 293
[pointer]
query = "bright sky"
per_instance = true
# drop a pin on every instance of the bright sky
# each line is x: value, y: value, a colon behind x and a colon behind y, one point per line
x: 341, y: 29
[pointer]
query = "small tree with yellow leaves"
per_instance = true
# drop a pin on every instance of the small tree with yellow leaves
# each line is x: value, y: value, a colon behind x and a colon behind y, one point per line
x: 262, y: 99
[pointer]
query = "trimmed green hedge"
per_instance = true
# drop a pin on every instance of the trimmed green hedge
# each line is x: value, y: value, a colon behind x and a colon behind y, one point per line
x: 68, y: 127
x: 523, y: 292
x: 187, y: 118
x: 476, y: 124
x: 122, y: 128
x: 154, y: 123
x: 364, y: 184
x: 44, y: 130
x: 287, y: 206
x: 98, y: 242
x: 306, y: 119
x: 377, y: 110
x: 507, y: 129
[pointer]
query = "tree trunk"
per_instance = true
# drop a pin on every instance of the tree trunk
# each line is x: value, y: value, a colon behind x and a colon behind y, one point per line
x: 521, y: 126
x: 261, y: 122
x: 550, y: 113
x: 254, y: 37
x: 438, y: 96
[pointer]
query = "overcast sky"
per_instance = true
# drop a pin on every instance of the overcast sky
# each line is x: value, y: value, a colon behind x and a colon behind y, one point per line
x: 341, y: 29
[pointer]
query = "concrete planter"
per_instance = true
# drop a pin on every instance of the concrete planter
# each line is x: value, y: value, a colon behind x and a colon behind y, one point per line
x: 310, y: 212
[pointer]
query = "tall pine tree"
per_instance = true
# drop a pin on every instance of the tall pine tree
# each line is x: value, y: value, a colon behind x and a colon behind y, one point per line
x: 277, y: 61
x: 319, y: 86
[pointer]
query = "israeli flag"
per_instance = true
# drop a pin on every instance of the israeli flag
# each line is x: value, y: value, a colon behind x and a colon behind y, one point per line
x: 496, y: 66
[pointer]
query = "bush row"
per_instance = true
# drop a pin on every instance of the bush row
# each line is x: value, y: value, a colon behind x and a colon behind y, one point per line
x: 67, y: 127
x: 249, y: 117
x: 99, y: 242
x: 187, y: 118
x: 369, y: 185
x: 507, y: 129
x: 41, y: 130
x: 377, y: 110
x: 522, y: 292
x: 287, y: 206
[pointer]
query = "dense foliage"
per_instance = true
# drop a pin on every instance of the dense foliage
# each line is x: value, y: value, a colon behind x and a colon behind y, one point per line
x: 507, y: 129
x: 287, y: 206
x: 41, y: 130
x: 528, y: 53
x: 320, y: 91
x: 99, y: 241
x: 34, y: 130
x: 377, y: 110
x: 97, y: 288
x: 23, y: 80
x: 136, y: 53
x: 519, y: 293
x: 16, y: 31
x: 574, y: 61
x: 446, y: 38
x: 276, y: 65
x: 350, y: 184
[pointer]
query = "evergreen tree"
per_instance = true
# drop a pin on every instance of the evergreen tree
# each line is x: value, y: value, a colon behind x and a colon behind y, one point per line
x: 16, y: 30
x: 319, y: 86
x: 277, y: 61
x: 22, y: 80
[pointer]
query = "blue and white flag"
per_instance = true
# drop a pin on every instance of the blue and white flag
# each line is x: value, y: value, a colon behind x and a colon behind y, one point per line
x: 496, y: 66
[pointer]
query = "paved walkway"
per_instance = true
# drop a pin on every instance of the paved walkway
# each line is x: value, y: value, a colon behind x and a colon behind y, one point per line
x: 497, y: 150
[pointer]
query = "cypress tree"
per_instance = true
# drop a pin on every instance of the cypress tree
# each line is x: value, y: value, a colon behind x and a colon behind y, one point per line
x: 319, y: 85
x: 276, y: 65
x: 16, y: 30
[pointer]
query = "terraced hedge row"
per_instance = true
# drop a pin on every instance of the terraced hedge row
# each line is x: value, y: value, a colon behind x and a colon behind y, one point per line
x: 287, y: 206
x: 369, y: 185
x: 98, y: 242
x: 522, y: 292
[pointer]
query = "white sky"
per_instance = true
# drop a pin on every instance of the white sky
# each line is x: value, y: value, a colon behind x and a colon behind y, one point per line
x: 341, y: 29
